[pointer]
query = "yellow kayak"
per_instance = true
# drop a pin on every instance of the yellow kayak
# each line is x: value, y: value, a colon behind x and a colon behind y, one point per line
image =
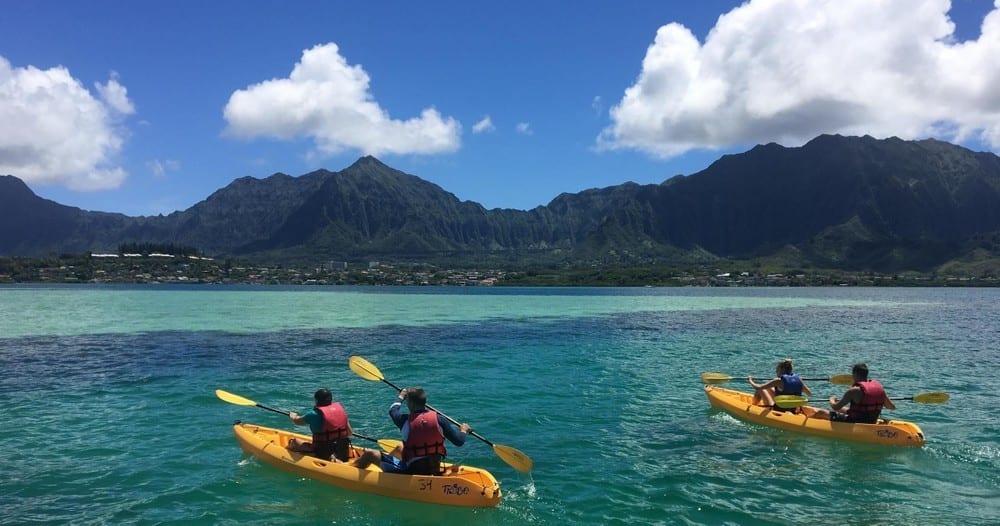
x: 885, y: 432
x: 468, y: 487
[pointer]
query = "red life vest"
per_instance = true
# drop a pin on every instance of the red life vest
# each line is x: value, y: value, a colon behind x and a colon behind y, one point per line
x: 424, y: 436
x: 872, y: 399
x: 334, y: 423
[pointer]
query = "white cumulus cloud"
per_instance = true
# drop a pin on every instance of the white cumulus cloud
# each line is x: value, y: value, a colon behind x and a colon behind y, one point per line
x: 328, y: 100
x: 54, y: 131
x: 484, y: 125
x: 524, y: 128
x: 788, y: 70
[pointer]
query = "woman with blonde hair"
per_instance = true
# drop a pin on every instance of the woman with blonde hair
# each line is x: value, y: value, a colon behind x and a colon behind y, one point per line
x: 785, y: 382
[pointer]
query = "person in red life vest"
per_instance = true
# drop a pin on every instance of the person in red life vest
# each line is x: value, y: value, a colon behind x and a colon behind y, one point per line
x: 785, y: 382
x: 331, y: 432
x: 424, y: 432
x: 866, y: 398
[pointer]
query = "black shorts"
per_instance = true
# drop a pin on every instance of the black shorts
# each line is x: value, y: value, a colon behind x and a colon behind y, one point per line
x: 339, y: 447
x: 837, y: 416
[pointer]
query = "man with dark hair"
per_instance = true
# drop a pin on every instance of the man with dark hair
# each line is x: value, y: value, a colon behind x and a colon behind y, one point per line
x: 424, y: 432
x: 866, y: 398
x: 331, y: 431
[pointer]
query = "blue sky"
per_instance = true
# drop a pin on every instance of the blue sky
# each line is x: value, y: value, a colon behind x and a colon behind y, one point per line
x: 149, y: 107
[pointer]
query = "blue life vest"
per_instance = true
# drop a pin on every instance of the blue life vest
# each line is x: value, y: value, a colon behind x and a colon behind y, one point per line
x: 793, y: 385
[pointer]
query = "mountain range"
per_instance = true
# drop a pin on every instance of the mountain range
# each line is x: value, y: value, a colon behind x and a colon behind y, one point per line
x: 836, y: 202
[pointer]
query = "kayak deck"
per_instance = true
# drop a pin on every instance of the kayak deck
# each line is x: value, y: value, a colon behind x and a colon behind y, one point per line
x: 884, y: 432
x: 470, y: 486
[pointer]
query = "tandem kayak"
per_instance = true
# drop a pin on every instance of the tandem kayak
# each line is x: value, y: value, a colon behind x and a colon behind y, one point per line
x: 468, y: 487
x: 885, y: 432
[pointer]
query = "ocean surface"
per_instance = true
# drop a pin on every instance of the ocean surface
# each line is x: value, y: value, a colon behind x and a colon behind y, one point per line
x: 110, y: 416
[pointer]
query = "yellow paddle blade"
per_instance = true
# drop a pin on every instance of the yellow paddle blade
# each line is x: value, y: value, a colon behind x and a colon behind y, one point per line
x: 931, y: 398
x: 842, y: 379
x: 789, y: 401
x: 388, y: 444
x: 233, y: 399
x: 515, y: 458
x: 365, y: 369
x: 715, y: 378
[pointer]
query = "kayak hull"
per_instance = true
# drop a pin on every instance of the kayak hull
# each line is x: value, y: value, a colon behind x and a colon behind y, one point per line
x: 885, y: 432
x: 469, y: 487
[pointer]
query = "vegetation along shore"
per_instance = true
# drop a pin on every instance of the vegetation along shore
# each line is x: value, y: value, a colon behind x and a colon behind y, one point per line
x: 189, y: 268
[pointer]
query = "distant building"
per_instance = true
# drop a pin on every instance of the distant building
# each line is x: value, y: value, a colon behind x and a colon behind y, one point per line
x: 335, y: 265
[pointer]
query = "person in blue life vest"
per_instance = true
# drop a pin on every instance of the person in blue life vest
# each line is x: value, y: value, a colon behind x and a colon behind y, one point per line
x: 424, y: 433
x: 866, y: 398
x: 785, y: 382
x: 331, y: 430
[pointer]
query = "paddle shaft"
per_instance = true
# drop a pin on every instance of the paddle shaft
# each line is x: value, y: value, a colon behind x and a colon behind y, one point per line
x: 280, y: 412
x: 448, y: 418
x: 922, y: 398
x: 719, y: 378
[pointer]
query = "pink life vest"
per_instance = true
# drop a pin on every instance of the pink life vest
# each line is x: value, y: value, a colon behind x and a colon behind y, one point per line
x: 334, y: 423
x: 424, y: 436
x: 872, y: 399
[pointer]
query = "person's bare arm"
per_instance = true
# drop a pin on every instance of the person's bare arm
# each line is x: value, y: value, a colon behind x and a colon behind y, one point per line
x: 850, y: 396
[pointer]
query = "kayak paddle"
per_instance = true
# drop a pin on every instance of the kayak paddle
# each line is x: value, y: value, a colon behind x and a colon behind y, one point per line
x: 386, y: 444
x: 511, y: 456
x: 789, y: 401
x: 719, y: 378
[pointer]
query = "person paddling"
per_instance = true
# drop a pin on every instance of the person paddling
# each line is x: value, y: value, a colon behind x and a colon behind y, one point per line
x: 331, y: 430
x: 866, y: 398
x: 424, y: 432
x: 785, y: 382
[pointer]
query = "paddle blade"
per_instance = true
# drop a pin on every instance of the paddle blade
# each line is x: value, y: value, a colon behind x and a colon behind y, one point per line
x: 790, y: 401
x: 842, y: 379
x: 513, y: 457
x: 388, y: 444
x: 931, y: 398
x: 715, y: 378
x: 233, y: 399
x: 365, y: 369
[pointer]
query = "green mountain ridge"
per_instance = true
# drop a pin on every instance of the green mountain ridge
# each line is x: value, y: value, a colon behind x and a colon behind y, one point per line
x: 836, y: 202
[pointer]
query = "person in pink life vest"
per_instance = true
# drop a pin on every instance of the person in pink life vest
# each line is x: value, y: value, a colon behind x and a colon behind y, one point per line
x: 331, y: 431
x: 866, y: 398
x: 424, y: 432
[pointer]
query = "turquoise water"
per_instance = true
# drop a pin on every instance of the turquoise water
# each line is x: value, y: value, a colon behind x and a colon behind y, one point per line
x: 109, y: 407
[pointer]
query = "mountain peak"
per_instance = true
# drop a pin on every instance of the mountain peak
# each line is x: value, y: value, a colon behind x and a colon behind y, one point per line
x: 10, y: 185
x: 368, y: 161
